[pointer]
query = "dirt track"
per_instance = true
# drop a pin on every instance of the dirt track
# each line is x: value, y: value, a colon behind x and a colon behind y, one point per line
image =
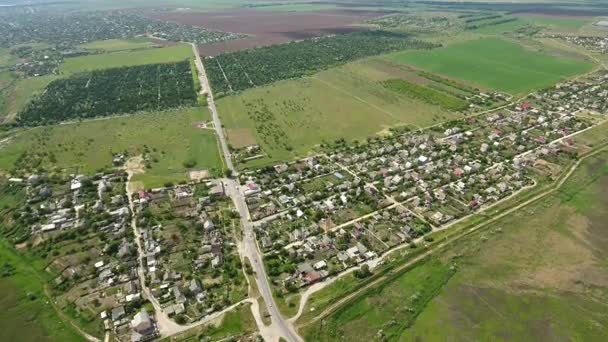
x: 267, y: 28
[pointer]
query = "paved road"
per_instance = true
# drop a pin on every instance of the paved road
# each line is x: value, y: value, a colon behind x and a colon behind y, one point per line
x: 279, y: 326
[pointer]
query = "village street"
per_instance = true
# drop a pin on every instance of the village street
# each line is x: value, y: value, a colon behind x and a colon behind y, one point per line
x: 279, y: 327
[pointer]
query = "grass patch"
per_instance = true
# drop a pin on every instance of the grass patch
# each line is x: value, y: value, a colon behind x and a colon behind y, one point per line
x: 425, y: 94
x: 88, y: 146
x: 25, y: 311
x: 390, y: 307
x: 126, y: 58
x: 495, y: 63
x: 112, y: 45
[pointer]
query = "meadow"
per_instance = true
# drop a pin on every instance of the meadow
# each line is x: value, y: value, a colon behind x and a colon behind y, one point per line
x: 88, y: 146
x: 25, y: 312
x: 290, y: 118
x: 112, y: 45
x: 126, y: 58
x: 538, y: 274
x: 496, y: 64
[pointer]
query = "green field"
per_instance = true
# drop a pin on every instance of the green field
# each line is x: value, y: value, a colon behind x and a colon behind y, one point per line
x: 494, y: 63
x: 538, y: 274
x: 6, y: 59
x: 126, y: 58
x: 25, y: 312
x: 112, y: 45
x: 171, y: 139
x: 289, y: 118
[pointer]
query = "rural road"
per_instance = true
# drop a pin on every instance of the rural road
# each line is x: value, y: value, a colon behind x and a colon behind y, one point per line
x: 249, y: 248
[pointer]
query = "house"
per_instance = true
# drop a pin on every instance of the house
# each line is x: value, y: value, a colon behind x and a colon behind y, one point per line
x: 118, y: 313
x: 142, y: 326
x: 195, y: 286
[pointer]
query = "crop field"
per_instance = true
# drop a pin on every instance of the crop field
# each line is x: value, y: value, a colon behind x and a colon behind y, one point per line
x: 88, y: 146
x: 112, y: 45
x: 276, y: 25
x: 111, y: 91
x: 237, y: 71
x: 538, y: 274
x: 495, y: 63
x: 290, y: 118
x: 126, y: 58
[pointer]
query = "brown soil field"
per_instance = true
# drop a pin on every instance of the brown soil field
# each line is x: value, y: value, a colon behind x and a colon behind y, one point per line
x: 267, y: 28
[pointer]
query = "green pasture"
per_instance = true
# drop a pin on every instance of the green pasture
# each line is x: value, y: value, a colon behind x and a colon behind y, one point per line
x: 496, y: 64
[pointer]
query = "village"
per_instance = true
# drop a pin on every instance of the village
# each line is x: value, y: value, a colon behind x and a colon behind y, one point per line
x: 327, y: 213
x: 111, y: 252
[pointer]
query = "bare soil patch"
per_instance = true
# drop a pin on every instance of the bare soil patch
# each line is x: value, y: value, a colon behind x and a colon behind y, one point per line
x: 268, y: 28
x: 240, y: 137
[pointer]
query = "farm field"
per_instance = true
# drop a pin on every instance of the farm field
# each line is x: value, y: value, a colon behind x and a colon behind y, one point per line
x: 538, y: 274
x: 552, y: 23
x: 112, y: 45
x: 21, y: 92
x: 272, y: 26
x: 88, y: 146
x: 494, y: 63
x: 289, y: 118
x: 126, y: 58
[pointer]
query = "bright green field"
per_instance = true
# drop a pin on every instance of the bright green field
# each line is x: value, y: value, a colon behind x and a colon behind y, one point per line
x: 540, y: 274
x: 126, y: 58
x: 171, y: 137
x: 289, y: 118
x: 495, y: 63
x: 111, y: 45
x: 23, y: 318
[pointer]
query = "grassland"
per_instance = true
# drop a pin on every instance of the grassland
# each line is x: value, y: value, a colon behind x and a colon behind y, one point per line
x: 170, y: 139
x: 25, y: 312
x: 290, y: 118
x: 126, y: 58
x: 112, y: 45
x: 538, y: 274
x: 495, y: 63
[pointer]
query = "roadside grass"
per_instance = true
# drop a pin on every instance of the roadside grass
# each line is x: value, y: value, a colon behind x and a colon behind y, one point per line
x: 171, y: 139
x: 495, y: 63
x: 112, y: 45
x: 25, y: 311
x: 384, y: 310
x: 537, y: 273
x: 126, y: 58
x: 235, y: 323
x: 291, y: 118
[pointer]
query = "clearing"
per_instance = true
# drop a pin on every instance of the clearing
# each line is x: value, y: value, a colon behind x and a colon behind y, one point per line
x: 126, y: 58
x: 495, y: 63
x: 89, y: 145
x: 112, y: 45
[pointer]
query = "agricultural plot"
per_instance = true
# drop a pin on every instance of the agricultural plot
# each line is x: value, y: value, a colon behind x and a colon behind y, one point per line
x: 88, y: 146
x: 242, y: 70
x: 111, y: 45
x: 290, y: 118
x: 117, y: 59
x: 496, y: 64
x: 113, y: 91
